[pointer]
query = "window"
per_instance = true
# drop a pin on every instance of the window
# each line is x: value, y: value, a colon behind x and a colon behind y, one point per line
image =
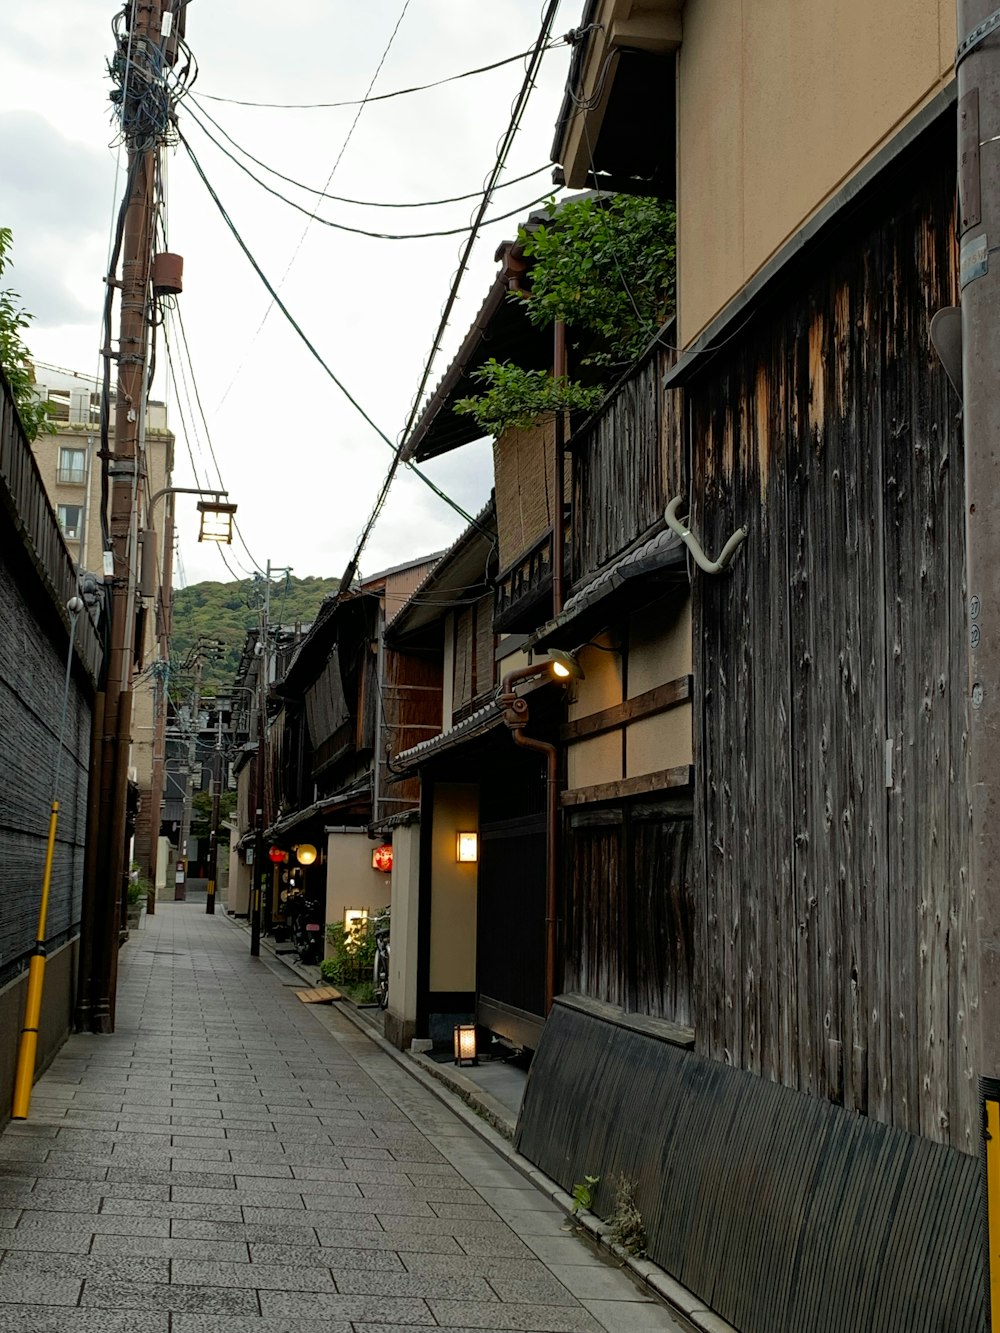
x: 72, y: 467
x: 69, y: 520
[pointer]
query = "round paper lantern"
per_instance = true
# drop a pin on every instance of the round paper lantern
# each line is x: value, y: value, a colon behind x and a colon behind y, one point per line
x: 277, y: 855
x: 305, y: 853
x: 382, y: 857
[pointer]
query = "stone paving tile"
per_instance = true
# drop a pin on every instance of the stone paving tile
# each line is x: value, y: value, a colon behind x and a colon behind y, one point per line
x: 538, y: 1318
x: 32, y: 1288
x: 168, y: 1247
x: 94, y: 1223
x: 398, y: 1241
x: 633, y: 1317
x: 301, y: 1256
x: 45, y: 1241
x: 238, y: 1231
x: 261, y: 1276
x: 169, y: 1296
x: 316, y: 1308
x: 460, y: 1286
x: 190, y: 1323
x: 60, y: 1319
x: 103, y: 1268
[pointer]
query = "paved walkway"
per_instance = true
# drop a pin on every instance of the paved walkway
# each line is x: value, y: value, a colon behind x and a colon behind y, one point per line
x: 233, y: 1161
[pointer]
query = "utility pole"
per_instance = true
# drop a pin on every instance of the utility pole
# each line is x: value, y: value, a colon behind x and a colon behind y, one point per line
x: 978, y: 76
x: 213, y: 834
x: 104, y: 896
x: 264, y: 672
x: 192, y: 767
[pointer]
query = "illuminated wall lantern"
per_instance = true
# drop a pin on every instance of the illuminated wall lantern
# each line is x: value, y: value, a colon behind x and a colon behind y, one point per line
x: 467, y: 848
x: 278, y: 857
x: 354, y: 919
x: 465, y: 1044
x: 382, y: 857
x: 305, y: 853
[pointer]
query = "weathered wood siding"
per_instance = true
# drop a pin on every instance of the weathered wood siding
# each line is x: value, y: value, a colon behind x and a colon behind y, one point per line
x: 627, y: 463
x: 835, y: 924
x: 473, y: 656
x: 627, y: 915
x: 411, y: 700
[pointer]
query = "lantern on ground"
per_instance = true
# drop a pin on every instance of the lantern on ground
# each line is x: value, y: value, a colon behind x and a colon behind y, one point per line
x: 465, y: 1044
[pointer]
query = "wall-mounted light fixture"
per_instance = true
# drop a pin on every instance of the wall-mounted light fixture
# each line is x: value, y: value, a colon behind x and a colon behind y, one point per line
x: 465, y: 1044
x: 382, y: 857
x: 305, y: 853
x: 467, y: 847
x: 278, y: 857
x: 565, y: 665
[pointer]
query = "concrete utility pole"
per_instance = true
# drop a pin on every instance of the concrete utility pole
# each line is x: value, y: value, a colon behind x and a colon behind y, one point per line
x: 192, y: 768
x: 213, y: 833
x: 978, y: 75
x: 104, y: 896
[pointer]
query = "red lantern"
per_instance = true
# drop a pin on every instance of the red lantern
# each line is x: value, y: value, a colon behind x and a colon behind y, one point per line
x: 382, y: 857
x: 277, y: 855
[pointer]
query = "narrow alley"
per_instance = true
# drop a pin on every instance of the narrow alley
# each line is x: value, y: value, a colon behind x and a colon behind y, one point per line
x: 232, y: 1159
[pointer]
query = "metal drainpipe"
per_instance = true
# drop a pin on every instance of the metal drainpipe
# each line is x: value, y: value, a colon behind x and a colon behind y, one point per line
x: 515, y: 716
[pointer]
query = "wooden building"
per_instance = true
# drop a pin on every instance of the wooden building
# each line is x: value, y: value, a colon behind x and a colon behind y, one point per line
x: 806, y: 1150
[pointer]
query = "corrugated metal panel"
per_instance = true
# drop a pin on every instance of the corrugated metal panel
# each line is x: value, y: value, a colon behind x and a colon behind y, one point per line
x: 782, y: 1212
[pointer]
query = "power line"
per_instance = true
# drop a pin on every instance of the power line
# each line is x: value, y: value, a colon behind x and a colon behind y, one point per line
x: 314, y: 216
x: 517, y: 112
x: 343, y: 199
x: 305, y: 338
x: 379, y: 97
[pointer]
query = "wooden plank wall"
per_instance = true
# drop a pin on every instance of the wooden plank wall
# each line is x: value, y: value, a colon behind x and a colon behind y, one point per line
x: 627, y: 913
x: 626, y: 465
x: 834, y: 936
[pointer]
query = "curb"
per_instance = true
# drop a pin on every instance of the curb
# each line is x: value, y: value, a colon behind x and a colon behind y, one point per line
x: 481, y: 1113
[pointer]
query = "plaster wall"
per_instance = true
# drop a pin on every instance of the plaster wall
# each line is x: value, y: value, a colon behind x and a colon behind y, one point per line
x: 453, y: 890
x: 780, y: 102
x: 401, y: 1016
x: 350, y: 879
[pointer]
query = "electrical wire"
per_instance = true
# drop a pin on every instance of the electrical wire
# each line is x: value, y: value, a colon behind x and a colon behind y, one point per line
x: 314, y: 216
x: 506, y: 142
x: 380, y: 97
x: 343, y: 199
x: 442, y: 495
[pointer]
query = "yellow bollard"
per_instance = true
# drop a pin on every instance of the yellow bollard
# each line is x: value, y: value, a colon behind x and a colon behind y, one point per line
x: 27, y: 1049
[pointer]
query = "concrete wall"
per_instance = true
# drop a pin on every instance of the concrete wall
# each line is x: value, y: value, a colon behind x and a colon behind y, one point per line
x: 350, y: 879
x: 401, y: 1015
x: 779, y: 103
x: 453, y: 890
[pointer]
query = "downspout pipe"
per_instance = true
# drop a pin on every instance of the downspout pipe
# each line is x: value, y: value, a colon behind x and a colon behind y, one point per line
x: 516, y: 717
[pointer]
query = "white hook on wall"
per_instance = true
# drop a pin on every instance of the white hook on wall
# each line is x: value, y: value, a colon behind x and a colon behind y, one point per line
x: 694, y: 546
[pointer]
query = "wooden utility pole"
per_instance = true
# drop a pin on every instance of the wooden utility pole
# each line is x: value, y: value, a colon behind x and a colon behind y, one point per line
x: 978, y: 75
x: 105, y: 895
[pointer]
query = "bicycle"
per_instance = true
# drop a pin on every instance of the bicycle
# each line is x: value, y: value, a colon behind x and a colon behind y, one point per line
x: 380, y: 971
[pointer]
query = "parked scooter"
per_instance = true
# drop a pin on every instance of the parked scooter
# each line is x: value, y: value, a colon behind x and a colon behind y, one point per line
x: 304, y: 913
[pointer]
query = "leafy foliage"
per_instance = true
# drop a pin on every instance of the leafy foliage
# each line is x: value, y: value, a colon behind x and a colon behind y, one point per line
x: 583, y: 1193
x: 517, y: 397
x: 14, y: 355
x: 201, y: 815
x: 224, y: 611
x: 606, y: 267
x: 627, y: 1227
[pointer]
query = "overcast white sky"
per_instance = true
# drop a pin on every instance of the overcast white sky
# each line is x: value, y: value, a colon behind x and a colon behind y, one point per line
x: 302, y: 466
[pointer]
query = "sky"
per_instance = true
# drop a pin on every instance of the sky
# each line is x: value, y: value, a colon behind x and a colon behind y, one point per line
x: 300, y: 463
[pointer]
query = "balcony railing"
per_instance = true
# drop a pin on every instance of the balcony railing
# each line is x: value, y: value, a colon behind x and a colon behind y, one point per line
x: 523, y: 589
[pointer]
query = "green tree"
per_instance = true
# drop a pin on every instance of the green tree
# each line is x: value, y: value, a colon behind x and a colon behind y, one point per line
x: 14, y: 355
x: 606, y: 267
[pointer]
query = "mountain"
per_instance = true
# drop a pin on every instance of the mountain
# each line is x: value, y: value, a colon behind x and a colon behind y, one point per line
x: 225, y: 611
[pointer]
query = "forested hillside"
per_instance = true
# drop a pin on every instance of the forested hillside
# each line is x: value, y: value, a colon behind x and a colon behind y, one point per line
x: 227, y: 610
